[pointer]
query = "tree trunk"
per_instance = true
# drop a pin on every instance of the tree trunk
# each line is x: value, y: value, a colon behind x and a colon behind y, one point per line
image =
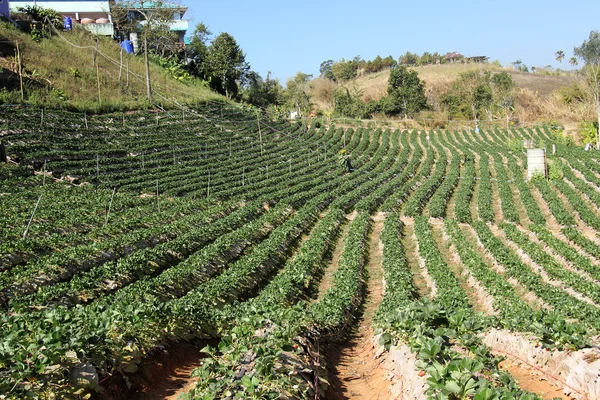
x: 148, y: 88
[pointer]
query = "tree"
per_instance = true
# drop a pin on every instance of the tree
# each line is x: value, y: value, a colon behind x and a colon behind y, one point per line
x: 344, y: 70
x: 573, y: 61
x: 325, y: 69
x: 560, y: 55
x: 197, y: 50
x: 589, y: 53
x: 406, y: 93
x: 261, y: 92
x: 225, y: 64
x: 503, y: 93
x: 151, y: 19
x: 296, y: 92
x: 408, y: 59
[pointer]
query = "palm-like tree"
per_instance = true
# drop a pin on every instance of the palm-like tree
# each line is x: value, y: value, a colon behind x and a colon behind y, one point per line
x: 573, y: 61
x: 560, y: 55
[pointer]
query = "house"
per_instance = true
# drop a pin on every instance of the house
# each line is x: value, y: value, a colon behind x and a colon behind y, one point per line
x: 94, y: 15
x: 4, y: 8
x: 453, y: 57
x: 138, y: 10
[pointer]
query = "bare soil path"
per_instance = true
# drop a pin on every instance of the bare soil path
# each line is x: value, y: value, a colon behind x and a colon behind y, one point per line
x: 332, y: 267
x: 354, y: 371
x: 162, y: 376
x: 527, y: 379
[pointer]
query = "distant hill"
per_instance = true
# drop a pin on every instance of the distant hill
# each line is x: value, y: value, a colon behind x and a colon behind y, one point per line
x: 537, y: 92
x: 59, y: 71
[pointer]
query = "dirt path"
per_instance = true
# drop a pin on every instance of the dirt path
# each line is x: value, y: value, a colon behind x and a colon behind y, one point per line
x: 332, y: 267
x: 354, y: 371
x: 162, y: 376
x: 527, y: 379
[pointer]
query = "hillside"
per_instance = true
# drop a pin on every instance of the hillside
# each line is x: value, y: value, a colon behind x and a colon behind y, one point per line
x: 129, y: 238
x: 60, y: 71
x: 537, y: 97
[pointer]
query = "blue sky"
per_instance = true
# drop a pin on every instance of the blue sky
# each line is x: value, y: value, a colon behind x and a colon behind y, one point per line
x: 286, y: 37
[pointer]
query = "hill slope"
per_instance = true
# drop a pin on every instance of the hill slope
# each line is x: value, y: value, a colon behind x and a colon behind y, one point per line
x: 537, y: 97
x: 61, y: 71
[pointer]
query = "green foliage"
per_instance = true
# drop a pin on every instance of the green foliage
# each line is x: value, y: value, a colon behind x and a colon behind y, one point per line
x: 589, y: 51
x: 405, y: 94
x: 587, y: 131
x: 348, y: 104
x: 344, y: 70
x: 476, y: 94
x: 259, y: 92
x: 9, y: 96
x: 296, y: 92
x: 574, y: 93
x: 225, y: 64
x: 555, y: 171
x: 174, y: 67
x: 326, y: 69
x: 43, y: 15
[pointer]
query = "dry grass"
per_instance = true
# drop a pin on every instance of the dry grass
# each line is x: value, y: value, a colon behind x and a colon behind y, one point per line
x: 537, y: 97
x: 62, y: 74
x: 322, y: 92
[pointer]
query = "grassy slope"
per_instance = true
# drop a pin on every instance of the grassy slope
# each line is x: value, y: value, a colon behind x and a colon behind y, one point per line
x: 60, y: 74
x: 536, y: 92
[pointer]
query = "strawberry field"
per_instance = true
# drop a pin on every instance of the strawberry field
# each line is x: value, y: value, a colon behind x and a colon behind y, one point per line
x: 121, y: 234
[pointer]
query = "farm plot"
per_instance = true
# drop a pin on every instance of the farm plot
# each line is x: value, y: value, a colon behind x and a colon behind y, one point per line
x: 423, y: 269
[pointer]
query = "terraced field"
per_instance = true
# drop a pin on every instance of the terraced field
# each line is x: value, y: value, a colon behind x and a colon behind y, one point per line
x: 433, y: 270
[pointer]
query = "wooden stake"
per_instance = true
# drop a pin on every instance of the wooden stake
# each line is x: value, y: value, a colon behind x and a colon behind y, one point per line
x: 157, y: 197
x: 259, y: 132
x: 97, y: 170
x: 31, y: 219
x: 120, y: 64
x: 208, y: 187
x: 85, y: 119
x: 127, y: 73
x: 44, y: 176
x: 42, y: 118
x: 20, y: 72
x: 110, y: 205
x: 98, y: 82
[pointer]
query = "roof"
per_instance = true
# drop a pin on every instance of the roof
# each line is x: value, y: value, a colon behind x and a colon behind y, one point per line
x: 453, y: 55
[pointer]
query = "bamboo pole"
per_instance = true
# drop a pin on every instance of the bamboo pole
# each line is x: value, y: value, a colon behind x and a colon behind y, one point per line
x: 110, y: 205
x: 32, y: 214
x: 20, y: 72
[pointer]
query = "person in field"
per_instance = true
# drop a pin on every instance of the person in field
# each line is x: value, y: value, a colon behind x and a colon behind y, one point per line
x: 345, y: 160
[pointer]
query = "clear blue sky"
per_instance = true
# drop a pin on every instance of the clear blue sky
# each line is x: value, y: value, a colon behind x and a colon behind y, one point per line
x: 285, y: 37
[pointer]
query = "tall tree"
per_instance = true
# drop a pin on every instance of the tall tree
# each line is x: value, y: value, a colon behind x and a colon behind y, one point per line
x: 559, y: 55
x: 406, y: 93
x: 296, y: 92
x: 225, y: 64
x: 325, y: 69
x: 589, y: 53
x: 261, y: 92
x: 197, y: 50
